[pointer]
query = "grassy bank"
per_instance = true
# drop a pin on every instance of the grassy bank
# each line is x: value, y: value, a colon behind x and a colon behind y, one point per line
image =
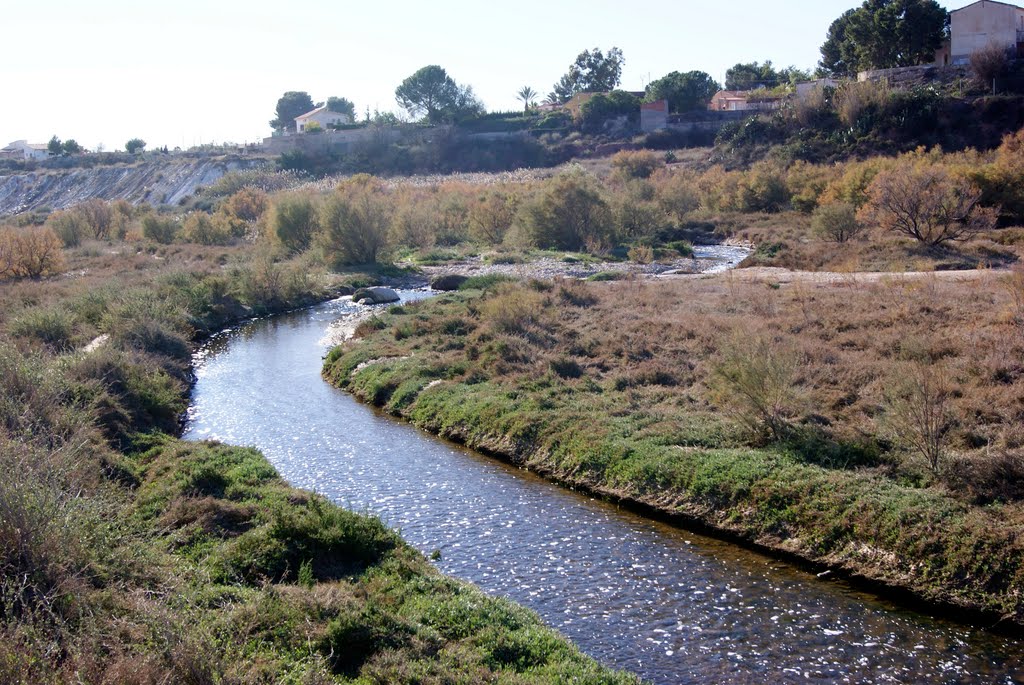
x: 873, y: 427
x: 128, y: 556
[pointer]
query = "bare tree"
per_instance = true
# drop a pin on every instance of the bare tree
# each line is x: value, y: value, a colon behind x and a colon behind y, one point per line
x: 990, y: 63
x: 919, y: 414
x: 927, y: 203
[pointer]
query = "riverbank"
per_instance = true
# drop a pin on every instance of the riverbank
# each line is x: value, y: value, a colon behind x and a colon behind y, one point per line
x: 776, y: 413
x: 129, y: 556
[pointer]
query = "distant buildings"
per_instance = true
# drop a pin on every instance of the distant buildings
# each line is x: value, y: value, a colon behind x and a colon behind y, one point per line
x: 743, y: 101
x: 22, y: 149
x: 322, y: 116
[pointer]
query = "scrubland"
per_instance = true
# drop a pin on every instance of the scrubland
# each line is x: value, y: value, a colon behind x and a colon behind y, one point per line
x: 869, y: 426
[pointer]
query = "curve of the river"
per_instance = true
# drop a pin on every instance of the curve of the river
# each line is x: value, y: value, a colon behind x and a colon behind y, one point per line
x: 670, y: 605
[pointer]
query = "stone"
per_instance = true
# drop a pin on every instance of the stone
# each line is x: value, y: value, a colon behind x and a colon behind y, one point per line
x: 448, y: 282
x: 375, y: 296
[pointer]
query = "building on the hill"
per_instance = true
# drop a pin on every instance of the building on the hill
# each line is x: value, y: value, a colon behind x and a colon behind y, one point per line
x: 323, y: 116
x: 984, y: 23
x: 22, y: 149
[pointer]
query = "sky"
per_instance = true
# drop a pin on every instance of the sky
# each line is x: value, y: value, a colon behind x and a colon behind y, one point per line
x: 191, y: 72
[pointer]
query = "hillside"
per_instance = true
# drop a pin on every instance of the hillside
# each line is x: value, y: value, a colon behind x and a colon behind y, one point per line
x: 160, y: 181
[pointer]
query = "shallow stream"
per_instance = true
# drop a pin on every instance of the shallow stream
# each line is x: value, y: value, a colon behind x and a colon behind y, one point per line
x: 670, y: 605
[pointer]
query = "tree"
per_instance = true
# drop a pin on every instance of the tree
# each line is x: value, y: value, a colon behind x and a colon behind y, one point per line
x: 135, y: 145
x: 925, y: 202
x: 592, y: 72
x: 292, y: 104
x: 600, y: 108
x: 684, y: 91
x: 70, y: 147
x: 54, y: 146
x: 753, y: 75
x: 341, y: 106
x: 432, y: 92
x: 528, y: 96
x: 429, y: 91
x: 882, y: 34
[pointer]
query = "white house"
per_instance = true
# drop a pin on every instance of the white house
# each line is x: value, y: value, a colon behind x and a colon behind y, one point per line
x: 984, y: 23
x: 322, y: 116
x: 22, y: 149
x: 805, y: 89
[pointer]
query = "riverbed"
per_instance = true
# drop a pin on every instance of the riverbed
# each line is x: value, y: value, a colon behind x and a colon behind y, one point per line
x: 670, y: 605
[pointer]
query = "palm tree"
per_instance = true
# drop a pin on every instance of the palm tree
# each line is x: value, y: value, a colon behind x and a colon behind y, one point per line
x: 528, y: 96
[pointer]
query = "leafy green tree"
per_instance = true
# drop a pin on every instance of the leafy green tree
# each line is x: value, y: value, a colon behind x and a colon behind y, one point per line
x: 292, y: 104
x: 528, y: 96
x: 600, y: 108
x: 342, y: 106
x: 70, y: 147
x: 882, y: 34
x: 751, y: 76
x: 54, y: 146
x: 684, y: 91
x: 135, y: 145
x: 433, y: 93
x: 592, y: 72
x: 428, y: 92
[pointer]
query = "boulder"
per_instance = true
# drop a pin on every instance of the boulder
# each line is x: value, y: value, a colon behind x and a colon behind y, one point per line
x: 448, y: 282
x: 375, y: 296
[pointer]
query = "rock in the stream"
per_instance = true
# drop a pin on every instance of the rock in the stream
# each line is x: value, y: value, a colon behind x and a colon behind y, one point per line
x: 375, y: 296
x: 448, y: 282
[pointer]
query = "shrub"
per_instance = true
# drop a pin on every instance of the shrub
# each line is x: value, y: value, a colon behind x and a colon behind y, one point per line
x: 69, y: 226
x: 837, y: 222
x: 52, y: 327
x: 294, y: 221
x: 631, y: 164
x: 31, y: 252
x: 754, y: 378
x: 925, y: 202
x: 491, y: 216
x: 676, y: 192
x: 159, y: 229
x: 248, y: 204
x: 99, y: 216
x: 570, y: 213
x: 918, y: 411
x: 356, y: 222
x: 513, y: 309
x: 990, y: 63
x: 203, y: 229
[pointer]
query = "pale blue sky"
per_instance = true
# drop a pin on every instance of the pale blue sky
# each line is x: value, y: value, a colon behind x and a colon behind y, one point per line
x: 191, y: 71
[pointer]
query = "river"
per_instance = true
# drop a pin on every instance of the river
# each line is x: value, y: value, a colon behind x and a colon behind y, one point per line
x: 670, y: 605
